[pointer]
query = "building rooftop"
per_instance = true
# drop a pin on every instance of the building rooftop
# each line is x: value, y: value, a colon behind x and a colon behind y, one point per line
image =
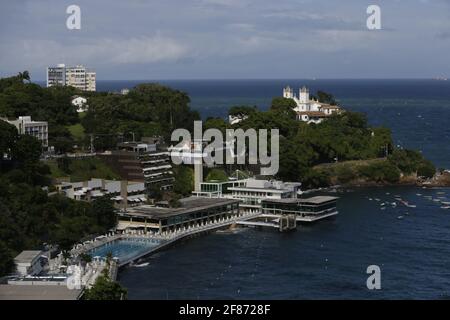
x: 188, y: 205
x: 254, y: 189
x: 37, y: 292
x: 313, y: 200
x: 108, y: 186
x: 318, y: 199
x: 252, y: 184
x: 27, y: 256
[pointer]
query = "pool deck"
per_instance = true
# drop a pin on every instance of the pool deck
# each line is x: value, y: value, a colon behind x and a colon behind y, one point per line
x: 166, y: 241
x: 183, y: 235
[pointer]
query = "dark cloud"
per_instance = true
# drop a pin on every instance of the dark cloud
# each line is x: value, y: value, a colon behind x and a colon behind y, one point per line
x: 225, y: 38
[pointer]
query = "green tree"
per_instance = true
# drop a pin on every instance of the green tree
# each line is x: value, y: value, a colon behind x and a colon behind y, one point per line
x: 105, y: 289
x: 6, y: 259
x: 408, y: 161
x: 8, y: 136
x: 326, y: 98
x: 216, y: 123
x: 217, y: 175
x: 184, y: 180
x: 64, y: 164
x: 61, y: 139
x: 284, y: 105
x: 426, y: 169
x: 27, y: 150
x: 105, y: 213
x: 242, y: 112
x: 24, y: 76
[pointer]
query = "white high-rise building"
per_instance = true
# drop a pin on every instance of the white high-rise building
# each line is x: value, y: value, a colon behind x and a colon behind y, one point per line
x: 78, y: 77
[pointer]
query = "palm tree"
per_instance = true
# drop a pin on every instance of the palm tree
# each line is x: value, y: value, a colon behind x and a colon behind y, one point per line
x: 24, y: 76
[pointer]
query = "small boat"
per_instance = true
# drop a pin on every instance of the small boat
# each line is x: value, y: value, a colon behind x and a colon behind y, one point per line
x: 418, y: 194
x: 445, y: 207
x: 383, y: 208
x: 405, y: 203
x: 370, y: 199
x: 445, y: 203
x: 141, y: 265
x: 376, y: 199
x: 400, y: 217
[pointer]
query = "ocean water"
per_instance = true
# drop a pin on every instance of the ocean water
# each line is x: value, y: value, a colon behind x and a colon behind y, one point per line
x: 325, y: 260
x: 328, y: 259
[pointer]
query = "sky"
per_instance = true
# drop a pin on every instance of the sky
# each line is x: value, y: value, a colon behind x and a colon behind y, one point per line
x: 228, y: 39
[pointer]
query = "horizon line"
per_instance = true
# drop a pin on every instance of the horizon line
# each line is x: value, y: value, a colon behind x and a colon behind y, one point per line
x: 262, y: 79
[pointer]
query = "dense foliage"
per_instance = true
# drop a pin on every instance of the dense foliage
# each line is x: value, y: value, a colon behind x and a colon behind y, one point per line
x: 29, y: 217
x: 184, y: 180
x: 216, y: 175
x: 342, y: 137
x: 19, y: 98
x: 147, y: 110
x: 242, y: 111
x: 104, y: 288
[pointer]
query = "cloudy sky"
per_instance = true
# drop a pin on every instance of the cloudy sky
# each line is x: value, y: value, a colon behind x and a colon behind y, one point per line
x: 214, y: 39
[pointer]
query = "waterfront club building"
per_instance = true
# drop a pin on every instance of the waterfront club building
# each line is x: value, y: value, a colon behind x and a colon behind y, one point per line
x: 78, y: 77
x: 193, y: 211
x: 306, y: 210
x: 250, y: 192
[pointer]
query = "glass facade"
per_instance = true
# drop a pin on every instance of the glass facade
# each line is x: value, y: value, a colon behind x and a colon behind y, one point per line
x: 187, y: 219
x: 298, y: 207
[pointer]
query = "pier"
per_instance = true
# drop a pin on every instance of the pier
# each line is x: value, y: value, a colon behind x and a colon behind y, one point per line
x: 145, y: 230
x: 164, y: 240
x: 281, y: 222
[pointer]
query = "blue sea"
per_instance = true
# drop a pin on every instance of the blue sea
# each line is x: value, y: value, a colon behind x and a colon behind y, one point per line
x: 328, y: 259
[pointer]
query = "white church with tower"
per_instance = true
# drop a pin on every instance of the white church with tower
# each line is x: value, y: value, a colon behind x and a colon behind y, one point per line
x: 309, y: 110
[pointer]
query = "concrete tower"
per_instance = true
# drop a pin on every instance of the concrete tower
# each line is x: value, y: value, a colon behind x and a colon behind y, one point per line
x: 304, y: 95
x: 288, y: 93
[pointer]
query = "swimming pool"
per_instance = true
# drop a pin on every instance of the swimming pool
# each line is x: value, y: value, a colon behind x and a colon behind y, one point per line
x: 125, y: 249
